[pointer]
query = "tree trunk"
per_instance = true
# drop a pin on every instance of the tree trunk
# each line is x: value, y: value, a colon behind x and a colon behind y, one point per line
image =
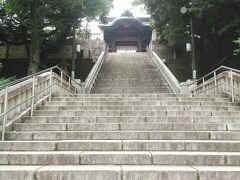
x: 74, y: 49
x: 35, y: 39
x: 27, y: 48
x: 7, y: 52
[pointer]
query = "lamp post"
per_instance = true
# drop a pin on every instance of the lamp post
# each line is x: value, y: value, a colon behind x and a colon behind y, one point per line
x: 184, y: 10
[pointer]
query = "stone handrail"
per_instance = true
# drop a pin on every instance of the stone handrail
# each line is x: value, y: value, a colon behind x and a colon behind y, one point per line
x: 222, y: 80
x: 22, y: 96
x: 92, y: 77
x: 167, y: 74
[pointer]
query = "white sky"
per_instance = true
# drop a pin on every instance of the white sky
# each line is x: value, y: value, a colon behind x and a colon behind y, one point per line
x: 122, y: 5
x: 119, y: 6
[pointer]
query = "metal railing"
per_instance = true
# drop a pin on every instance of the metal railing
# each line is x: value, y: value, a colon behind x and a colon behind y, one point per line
x: 32, y: 83
x: 92, y: 77
x: 167, y: 74
x: 220, y: 80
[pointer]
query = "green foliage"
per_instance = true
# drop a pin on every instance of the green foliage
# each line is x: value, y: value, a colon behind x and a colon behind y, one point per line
x: 237, y: 51
x: 4, y: 80
x: 45, y: 24
x: 168, y: 20
x: 211, y: 18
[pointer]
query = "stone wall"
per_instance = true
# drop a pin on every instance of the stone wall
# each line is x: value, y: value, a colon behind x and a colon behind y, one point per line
x: 95, y: 47
x: 15, y: 52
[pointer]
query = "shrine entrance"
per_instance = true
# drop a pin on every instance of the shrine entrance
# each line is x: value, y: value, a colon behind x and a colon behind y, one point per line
x: 121, y: 49
x: 123, y: 46
x: 127, y: 34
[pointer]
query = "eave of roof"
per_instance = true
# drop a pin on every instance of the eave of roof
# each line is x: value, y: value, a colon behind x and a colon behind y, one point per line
x: 121, y: 19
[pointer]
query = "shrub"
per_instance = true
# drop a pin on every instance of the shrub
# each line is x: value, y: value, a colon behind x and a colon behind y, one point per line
x: 4, y: 80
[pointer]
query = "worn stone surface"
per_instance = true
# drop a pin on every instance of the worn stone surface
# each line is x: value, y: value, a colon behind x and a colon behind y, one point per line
x: 85, y: 145
x: 26, y: 146
x: 218, y: 172
x: 145, y: 145
x: 43, y: 158
x: 79, y: 172
x: 17, y: 172
x: 159, y: 172
x: 126, y: 73
x: 188, y: 158
x: 110, y: 157
x: 131, y: 130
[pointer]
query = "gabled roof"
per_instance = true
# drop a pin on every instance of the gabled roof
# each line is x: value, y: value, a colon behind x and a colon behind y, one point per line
x: 143, y: 23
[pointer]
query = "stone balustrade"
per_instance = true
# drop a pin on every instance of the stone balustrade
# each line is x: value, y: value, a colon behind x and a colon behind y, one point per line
x: 220, y: 84
x: 19, y: 95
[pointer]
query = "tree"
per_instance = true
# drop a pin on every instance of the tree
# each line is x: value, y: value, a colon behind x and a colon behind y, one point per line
x: 216, y: 22
x: 237, y: 51
x: 60, y: 17
x: 208, y: 13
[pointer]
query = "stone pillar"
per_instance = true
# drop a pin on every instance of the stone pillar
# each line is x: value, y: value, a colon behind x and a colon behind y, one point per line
x: 114, y: 46
x: 140, y: 46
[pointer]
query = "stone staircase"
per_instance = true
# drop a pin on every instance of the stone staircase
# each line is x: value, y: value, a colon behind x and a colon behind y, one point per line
x: 129, y: 73
x: 144, y: 136
x: 141, y: 136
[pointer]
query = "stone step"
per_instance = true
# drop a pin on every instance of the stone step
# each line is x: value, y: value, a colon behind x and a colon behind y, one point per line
x: 115, y: 107
x: 147, y: 77
x: 133, y: 113
x: 121, y: 70
x: 139, y: 95
x: 121, y: 135
x: 217, y: 119
x: 133, y: 89
x: 132, y: 86
x: 81, y: 145
x: 131, y: 119
x: 115, y: 119
x: 110, y: 135
x: 119, y: 158
x: 123, y: 145
x: 126, y: 172
x: 112, y: 91
x: 40, y: 158
x: 123, y: 126
x: 119, y: 90
x: 131, y: 83
x: 138, y: 103
x: 160, y: 158
x: 149, y: 73
x: 126, y: 84
x: 167, y: 99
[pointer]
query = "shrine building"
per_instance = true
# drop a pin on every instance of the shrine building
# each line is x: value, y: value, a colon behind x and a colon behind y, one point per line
x: 127, y: 34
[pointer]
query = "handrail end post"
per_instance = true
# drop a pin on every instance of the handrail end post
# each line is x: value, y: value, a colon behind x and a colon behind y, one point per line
x: 50, y: 85
x: 5, y: 113
x: 33, y: 95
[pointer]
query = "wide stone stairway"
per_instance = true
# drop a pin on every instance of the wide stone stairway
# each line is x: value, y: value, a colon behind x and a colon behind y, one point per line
x: 129, y: 73
x: 134, y: 135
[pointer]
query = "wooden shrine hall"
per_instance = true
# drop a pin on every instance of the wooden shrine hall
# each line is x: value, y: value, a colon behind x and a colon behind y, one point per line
x: 127, y: 34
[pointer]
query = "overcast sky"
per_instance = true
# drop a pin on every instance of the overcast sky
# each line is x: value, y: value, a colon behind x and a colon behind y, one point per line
x: 122, y: 5
x: 119, y: 6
